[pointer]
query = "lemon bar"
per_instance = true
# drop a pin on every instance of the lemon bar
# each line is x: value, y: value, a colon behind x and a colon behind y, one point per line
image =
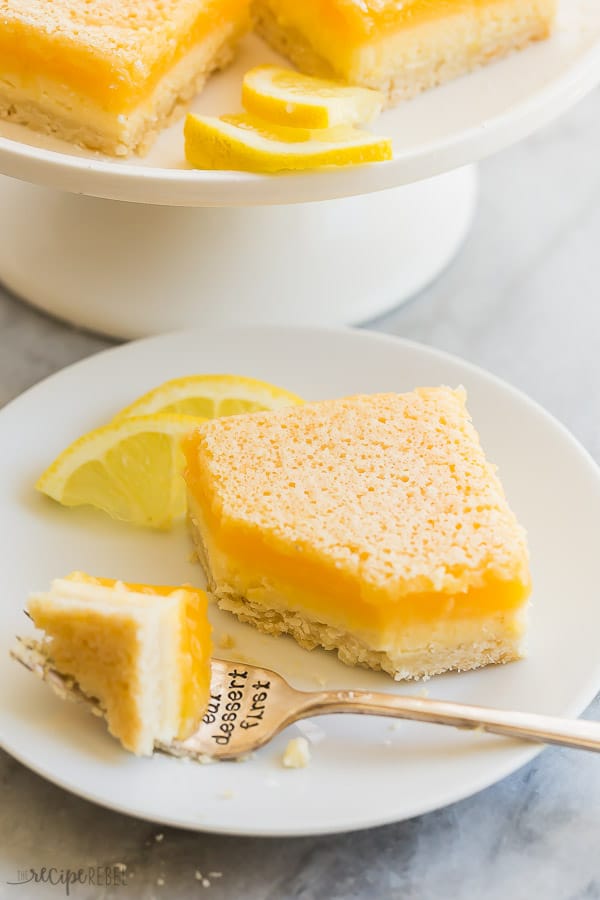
x: 109, y: 74
x: 371, y: 525
x: 142, y: 651
x: 400, y: 48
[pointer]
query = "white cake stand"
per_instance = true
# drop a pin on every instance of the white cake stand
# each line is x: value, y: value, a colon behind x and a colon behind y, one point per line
x: 335, y: 246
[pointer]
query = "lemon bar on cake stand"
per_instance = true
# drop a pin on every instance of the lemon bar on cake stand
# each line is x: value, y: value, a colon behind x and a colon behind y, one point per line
x: 400, y: 48
x: 315, y: 248
x: 110, y: 75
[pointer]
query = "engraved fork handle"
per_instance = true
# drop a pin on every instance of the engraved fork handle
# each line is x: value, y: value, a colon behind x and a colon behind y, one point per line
x: 576, y: 733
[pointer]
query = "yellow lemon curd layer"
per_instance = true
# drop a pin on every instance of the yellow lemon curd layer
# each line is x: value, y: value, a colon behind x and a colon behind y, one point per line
x: 356, y: 22
x: 305, y: 582
x: 195, y: 646
x: 409, y: 479
x: 111, y: 52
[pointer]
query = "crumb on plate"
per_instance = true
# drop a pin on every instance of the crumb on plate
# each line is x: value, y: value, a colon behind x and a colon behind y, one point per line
x: 296, y: 754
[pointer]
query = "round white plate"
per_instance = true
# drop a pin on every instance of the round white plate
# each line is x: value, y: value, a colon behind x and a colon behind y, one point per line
x: 363, y: 772
x: 441, y: 130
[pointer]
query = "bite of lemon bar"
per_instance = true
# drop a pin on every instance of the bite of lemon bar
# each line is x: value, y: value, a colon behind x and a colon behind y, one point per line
x: 371, y: 525
x: 109, y: 74
x: 141, y: 651
x: 399, y: 48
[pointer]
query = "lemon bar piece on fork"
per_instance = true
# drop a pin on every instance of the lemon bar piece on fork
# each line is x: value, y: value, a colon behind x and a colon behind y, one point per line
x: 141, y: 651
x: 399, y: 48
x: 110, y: 74
x: 371, y: 525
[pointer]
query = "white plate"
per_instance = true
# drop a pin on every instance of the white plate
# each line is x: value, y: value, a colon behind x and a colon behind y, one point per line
x: 362, y: 773
x: 441, y: 130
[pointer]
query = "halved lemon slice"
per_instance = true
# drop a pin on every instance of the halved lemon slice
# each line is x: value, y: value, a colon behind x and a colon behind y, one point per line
x: 210, y: 396
x: 289, y: 98
x: 242, y: 142
x: 131, y: 469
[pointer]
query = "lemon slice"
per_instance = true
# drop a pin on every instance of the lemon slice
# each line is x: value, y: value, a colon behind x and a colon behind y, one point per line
x: 210, y: 396
x: 248, y: 144
x: 286, y: 97
x: 131, y: 469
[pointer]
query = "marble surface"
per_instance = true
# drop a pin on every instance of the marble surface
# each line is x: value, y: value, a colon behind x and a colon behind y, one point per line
x: 522, y: 299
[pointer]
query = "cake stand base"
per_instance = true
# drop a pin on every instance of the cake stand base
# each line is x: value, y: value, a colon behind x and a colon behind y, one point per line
x: 129, y: 270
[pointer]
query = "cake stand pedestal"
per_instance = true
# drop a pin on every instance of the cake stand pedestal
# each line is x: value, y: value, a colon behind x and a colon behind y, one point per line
x: 132, y: 247
x: 129, y: 269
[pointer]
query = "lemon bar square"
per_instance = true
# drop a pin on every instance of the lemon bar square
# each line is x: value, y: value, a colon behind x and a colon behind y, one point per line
x: 110, y: 74
x: 373, y: 526
x: 404, y: 48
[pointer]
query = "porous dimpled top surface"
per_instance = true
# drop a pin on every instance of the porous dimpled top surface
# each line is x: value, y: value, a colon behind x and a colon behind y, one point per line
x: 394, y: 488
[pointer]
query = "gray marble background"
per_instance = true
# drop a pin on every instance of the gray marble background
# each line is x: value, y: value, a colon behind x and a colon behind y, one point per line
x: 522, y: 299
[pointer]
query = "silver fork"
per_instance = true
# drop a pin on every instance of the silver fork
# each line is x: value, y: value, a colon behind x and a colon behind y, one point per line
x: 249, y: 705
